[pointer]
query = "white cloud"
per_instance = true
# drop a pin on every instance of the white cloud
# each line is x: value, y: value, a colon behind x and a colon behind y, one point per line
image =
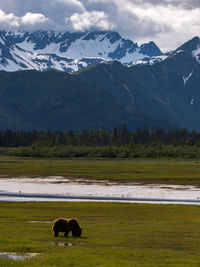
x: 7, y: 20
x: 28, y: 21
x: 168, y: 22
x: 71, y: 3
x: 33, y: 18
x: 90, y: 20
x: 164, y: 24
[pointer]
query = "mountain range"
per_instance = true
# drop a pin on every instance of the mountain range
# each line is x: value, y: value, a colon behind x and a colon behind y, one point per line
x: 64, y: 51
x: 164, y: 94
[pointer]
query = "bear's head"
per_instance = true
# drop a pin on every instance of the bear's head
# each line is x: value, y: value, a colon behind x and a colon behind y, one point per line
x: 79, y: 232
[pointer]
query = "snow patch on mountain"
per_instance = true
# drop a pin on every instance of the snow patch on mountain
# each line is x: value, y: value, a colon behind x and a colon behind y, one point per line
x: 64, y: 51
x: 101, y: 47
x: 2, y: 41
x: 22, y: 60
x: 196, y: 53
x: 49, y: 49
x: 178, y: 52
x: 185, y: 79
x: 149, y: 60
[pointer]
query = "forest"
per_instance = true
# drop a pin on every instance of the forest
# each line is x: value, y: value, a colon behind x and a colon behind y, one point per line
x: 118, y: 143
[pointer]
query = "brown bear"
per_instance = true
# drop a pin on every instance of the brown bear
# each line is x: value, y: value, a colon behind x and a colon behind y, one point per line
x: 66, y: 225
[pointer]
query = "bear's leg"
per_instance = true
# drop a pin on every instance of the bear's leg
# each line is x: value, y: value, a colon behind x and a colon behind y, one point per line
x: 66, y: 233
x: 56, y: 233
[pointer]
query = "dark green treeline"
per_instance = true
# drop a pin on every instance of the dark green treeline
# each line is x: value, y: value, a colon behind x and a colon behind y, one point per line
x: 118, y: 143
x: 118, y: 137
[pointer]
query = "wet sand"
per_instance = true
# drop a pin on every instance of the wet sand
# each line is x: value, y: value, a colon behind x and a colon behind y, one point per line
x: 63, y: 189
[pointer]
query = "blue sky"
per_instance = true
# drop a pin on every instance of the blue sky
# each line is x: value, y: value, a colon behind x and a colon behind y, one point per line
x: 167, y: 22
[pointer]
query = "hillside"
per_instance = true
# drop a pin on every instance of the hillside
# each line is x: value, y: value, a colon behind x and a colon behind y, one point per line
x: 165, y: 94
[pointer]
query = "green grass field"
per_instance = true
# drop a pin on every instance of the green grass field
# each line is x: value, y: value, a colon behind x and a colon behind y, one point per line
x: 113, y: 234
x: 142, y: 171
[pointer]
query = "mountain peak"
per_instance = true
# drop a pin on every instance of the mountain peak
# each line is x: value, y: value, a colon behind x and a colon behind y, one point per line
x: 150, y: 49
x: 65, y: 51
x: 190, y: 45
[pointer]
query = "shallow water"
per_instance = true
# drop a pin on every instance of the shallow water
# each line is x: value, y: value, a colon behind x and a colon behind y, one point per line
x: 61, y: 244
x: 12, y: 256
x: 16, y: 256
x: 64, y: 244
x: 62, y: 189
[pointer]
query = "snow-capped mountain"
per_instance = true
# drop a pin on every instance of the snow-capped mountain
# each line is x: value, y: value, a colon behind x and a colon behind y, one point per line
x: 164, y: 94
x: 187, y: 56
x: 64, y: 51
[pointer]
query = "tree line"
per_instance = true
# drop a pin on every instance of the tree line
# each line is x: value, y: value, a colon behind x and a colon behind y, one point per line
x: 101, y: 138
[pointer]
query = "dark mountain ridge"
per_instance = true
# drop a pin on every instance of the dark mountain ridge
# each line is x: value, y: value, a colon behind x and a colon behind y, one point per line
x: 166, y: 94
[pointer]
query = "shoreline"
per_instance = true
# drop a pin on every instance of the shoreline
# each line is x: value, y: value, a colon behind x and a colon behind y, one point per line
x: 49, y: 197
x: 58, y: 188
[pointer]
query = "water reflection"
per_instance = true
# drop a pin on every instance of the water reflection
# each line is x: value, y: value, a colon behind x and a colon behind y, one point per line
x: 16, y: 256
x: 61, y: 244
x: 12, y: 256
x: 64, y: 244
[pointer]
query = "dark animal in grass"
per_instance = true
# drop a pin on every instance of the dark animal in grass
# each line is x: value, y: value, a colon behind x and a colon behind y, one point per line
x: 66, y: 226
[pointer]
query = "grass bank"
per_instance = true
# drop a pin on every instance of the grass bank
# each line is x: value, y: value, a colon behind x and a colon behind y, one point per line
x: 113, y: 234
x: 142, y: 171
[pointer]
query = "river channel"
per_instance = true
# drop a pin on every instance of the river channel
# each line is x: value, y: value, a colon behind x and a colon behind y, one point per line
x: 63, y: 189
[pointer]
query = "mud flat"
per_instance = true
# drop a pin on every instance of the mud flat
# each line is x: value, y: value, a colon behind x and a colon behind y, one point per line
x: 62, y: 189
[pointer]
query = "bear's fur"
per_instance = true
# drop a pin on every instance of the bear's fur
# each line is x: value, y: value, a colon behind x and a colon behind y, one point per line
x: 66, y: 226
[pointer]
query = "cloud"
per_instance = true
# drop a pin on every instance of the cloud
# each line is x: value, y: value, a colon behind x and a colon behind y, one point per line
x: 168, y: 22
x: 33, y: 18
x: 7, y: 20
x: 90, y: 20
x: 71, y: 3
x: 19, y: 7
x: 10, y: 21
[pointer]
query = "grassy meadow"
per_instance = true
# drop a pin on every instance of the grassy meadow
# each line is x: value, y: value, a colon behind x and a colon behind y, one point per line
x: 113, y: 234
x: 140, y: 171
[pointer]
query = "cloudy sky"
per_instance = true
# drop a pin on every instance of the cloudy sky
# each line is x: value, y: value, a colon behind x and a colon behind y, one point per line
x: 167, y: 22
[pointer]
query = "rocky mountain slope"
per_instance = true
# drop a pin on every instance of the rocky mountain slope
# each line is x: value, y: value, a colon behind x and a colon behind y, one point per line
x: 64, y: 51
x: 166, y: 94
